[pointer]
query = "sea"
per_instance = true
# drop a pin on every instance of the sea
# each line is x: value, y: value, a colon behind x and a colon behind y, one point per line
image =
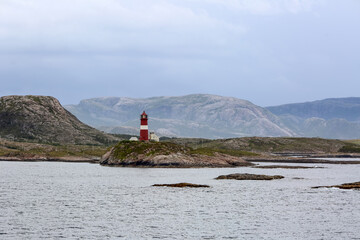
x: 55, y: 200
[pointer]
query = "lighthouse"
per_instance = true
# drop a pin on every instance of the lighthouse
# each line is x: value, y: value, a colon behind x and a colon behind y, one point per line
x: 144, y: 130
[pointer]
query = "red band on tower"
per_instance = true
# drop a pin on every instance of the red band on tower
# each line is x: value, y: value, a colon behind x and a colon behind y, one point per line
x: 144, y: 130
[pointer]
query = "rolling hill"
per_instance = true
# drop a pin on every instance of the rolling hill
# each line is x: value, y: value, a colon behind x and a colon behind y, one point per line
x: 42, y: 119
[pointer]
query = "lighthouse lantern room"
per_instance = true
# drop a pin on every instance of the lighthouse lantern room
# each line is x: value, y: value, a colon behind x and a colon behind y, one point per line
x: 144, y: 129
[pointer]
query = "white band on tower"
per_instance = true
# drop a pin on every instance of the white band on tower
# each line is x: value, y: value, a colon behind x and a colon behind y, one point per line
x: 144, y: 127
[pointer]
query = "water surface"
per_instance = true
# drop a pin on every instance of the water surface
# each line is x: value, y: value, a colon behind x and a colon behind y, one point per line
x: 42, y: 200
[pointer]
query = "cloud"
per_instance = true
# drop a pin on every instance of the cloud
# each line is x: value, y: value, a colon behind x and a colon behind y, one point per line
x: 108, y: 26
x: 266, y: 7
x: 132, y: 27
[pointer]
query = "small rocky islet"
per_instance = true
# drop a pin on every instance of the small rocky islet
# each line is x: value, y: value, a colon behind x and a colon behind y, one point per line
x: 182, y: 185
x: 165, y: 154
x: 284, y: 167
x: 354, y: 185
x: 247, y: 176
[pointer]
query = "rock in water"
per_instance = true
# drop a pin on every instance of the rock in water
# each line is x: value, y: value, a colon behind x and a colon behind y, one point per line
x: 247, y: 176
x: 43, y: 119
x: 284, y: 167
x: 182, y: 185
x: 355, y: 185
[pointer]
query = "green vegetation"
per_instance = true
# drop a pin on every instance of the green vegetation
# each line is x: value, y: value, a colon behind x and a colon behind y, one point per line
x: 355, y: 141
x: 35, y: 98
x: 23, y: 149
x: 128, y: 149
x: 267, y: 144
x: 238, y: 147
x: 212, y: 151
x: 350, y: 149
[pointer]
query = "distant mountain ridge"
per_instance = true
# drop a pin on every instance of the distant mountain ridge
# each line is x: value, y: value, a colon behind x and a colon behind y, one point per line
x: 43, y: 119
x: 196, y: 115
x: 345, y: 108
x: 328, y: 118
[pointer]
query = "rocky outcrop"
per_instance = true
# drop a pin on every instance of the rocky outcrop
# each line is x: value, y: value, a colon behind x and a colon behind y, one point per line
x: 247, y: 176
x: 162, y: 154
x: 355, y: 185
x: 182, y: 185
x: 43, y: 119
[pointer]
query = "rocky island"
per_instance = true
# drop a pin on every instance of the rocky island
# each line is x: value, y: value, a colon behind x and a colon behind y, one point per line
x: 164, y: 154
x: 355, y: 185
x: 247, y: 176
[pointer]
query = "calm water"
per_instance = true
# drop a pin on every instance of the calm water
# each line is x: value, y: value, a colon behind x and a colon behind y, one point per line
x: 340, y: 159
x: 45, y: 200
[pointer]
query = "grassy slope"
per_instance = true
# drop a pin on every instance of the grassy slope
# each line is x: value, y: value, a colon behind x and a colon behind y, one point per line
x: 355, y: 141
x: 269, y: 144
x: 231, y: 152
x: 127, y: 149
x: 352, y: 147
x: 23, y: 149
x: 235, y: 147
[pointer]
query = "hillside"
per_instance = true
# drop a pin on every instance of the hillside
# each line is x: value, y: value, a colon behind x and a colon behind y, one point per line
x: 197, y: 115
x: 329, y: 118
x: 43, y: 119
x: 27, y: 151
x: 344, y: 108
x: 269, y: 145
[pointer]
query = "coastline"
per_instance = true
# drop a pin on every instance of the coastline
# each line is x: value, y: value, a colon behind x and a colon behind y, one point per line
x: 45, y: 159
x: 259, y: 159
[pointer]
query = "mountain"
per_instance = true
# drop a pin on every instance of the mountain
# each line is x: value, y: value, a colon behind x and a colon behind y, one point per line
x: 329, y: 118
x: 43, y: 119
x: 197, y: 115
x: 340, y: 108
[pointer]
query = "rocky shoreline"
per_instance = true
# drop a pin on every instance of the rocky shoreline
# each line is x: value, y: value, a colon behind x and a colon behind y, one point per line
x: 281, y: 159
x: 47, y: 159
x: 182, y: 161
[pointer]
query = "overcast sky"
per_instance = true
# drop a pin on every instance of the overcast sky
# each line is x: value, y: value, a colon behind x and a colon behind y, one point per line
x: 267, y: 51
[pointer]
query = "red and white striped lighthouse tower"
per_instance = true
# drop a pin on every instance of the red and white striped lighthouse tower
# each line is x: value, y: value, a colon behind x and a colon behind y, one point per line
x: 144, y: 129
